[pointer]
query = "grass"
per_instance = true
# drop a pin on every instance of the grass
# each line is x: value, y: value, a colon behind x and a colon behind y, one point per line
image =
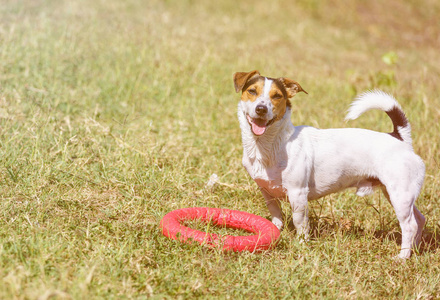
x: 113, y: 113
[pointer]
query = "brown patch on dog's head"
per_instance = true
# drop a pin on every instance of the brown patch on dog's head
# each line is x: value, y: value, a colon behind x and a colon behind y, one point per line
x: 241, y: 78
x: 282, y: 89
x: 292, y: 87
x: 280, y: 98
x: 252, y: 89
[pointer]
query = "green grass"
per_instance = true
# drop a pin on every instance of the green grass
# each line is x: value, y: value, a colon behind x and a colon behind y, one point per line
x: 113, y: 113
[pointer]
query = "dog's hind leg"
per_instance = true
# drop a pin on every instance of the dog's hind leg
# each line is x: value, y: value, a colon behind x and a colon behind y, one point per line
x: 406, y: 215
x: 410, y: 219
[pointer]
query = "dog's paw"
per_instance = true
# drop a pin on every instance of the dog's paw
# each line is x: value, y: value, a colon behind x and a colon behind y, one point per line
x: 403, y: 256
x: 303, y: 238
x: 398, y: 259
x: 278, y: 223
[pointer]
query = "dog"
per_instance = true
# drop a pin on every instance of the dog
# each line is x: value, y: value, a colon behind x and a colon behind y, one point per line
x: 302, y: 163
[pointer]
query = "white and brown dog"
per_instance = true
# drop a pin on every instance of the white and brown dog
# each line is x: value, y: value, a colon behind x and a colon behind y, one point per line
x: 304, y: 163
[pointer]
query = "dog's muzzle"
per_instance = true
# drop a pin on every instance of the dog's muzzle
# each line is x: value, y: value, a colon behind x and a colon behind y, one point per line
x: 259, y: 125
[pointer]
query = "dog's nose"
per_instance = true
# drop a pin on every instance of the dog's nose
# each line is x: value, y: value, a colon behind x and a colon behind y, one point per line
x: 261, y: 109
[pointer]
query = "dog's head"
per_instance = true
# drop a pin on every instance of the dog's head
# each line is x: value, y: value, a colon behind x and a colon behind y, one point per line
x: 264, y: 100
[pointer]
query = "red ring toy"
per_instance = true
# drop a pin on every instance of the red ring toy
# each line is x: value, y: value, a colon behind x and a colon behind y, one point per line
x: 266, y: 233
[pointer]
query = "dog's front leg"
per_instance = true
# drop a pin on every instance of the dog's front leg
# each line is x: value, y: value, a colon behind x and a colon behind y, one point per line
x: 274, y: 207
x: 300, y: 217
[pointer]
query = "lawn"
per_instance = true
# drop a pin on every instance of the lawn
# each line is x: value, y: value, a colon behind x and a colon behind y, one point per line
x: 114, y: 113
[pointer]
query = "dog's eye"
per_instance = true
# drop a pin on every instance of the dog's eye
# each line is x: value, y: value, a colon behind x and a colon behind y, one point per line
x: 277, y: 96
x: 252, y: 92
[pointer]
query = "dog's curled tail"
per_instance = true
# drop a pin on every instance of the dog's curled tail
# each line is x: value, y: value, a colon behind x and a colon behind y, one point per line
x: 383, y: 101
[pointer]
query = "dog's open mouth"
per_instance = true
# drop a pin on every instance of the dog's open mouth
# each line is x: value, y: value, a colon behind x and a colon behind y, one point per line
x: 258, y: 125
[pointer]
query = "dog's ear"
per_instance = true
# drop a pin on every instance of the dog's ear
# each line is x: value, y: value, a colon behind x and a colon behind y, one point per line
x: 240, y: 79
x: 292, y: 87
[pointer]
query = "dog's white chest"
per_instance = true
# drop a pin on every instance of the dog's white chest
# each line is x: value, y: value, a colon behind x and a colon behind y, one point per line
x: 272, y: 188
x: 268, y: 179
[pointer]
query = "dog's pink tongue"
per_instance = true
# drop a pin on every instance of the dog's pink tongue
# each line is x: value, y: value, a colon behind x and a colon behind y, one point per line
x: 258, y: 127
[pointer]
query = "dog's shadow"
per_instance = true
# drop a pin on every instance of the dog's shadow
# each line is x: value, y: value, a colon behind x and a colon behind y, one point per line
x: 430, y: 238
x: 321, y: 227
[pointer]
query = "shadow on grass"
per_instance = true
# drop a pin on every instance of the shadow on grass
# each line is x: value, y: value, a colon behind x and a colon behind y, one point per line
x: 322, y: 227
x: 430, y: 238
